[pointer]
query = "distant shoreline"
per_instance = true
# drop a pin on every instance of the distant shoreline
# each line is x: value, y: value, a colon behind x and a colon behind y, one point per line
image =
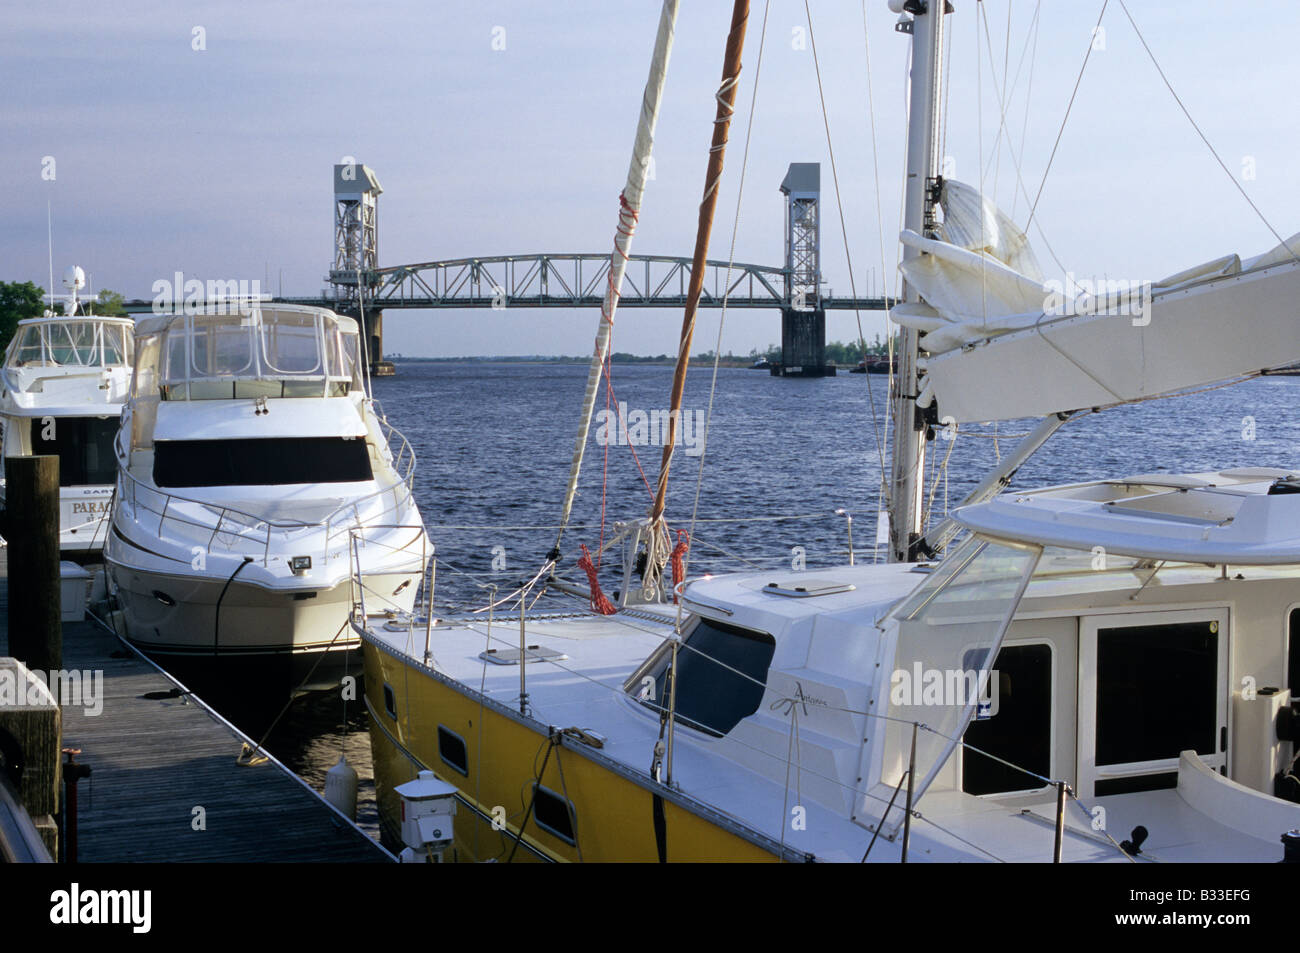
x: 542, y: 359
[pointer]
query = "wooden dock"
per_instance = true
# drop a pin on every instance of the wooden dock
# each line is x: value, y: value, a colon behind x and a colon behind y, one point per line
x: 165, y: 785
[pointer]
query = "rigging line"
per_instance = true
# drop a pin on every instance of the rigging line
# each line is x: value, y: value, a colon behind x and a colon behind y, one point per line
x: 604, y: 466
x: 979, y: 129
x: 1005, y: 93
x: 1006, y: 89
x: 609, y: 385
x: 1013, y: 83
x: 1029, y: 89
x: 726, y: 295
x: 789, y: 758
x: 1038, y: 327
x: 568, y: 801
x: 726, y: 99
x: 1105, y: 833
x: 844, y: 231
x: 1016, y: 162
x: 875, y: 152
x: 702, y: 519
x: 747, y: 562
x: 881, y: 438
x: 1064, y: 119
x: 940, y: 471
x: 1177, y: 99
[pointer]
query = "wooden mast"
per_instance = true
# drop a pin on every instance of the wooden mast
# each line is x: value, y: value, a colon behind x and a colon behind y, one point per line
x: 726, y: 97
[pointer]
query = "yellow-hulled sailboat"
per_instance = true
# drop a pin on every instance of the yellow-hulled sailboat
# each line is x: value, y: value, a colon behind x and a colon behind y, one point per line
x: 977, y: 708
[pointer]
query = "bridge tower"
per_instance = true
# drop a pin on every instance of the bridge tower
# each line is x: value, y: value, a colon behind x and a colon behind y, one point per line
x: 803, y: 322
x: 356, y: 254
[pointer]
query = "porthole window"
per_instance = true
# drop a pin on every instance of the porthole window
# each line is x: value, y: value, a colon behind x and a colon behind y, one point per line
x: 553, y: 814
x: 390, y: 701
x: 452, y: 750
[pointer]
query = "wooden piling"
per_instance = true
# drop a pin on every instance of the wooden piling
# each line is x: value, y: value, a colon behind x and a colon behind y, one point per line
x: 35, y: 610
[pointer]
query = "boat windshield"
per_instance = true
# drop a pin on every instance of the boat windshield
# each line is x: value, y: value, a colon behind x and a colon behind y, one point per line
x: 948, y: 633
x: 259, y: 353
x: 76, y: 342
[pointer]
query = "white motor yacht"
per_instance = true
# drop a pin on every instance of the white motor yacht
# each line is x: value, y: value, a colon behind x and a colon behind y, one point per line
x: 250, y: 451
x: 62, y: 387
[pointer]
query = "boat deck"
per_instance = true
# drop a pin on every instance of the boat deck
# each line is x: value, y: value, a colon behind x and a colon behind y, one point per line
x: 156, y: 756
x: 749, y: 774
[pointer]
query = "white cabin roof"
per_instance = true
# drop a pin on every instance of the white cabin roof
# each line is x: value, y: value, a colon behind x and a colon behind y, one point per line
x: 1244, y: 516
x: 239, y: 419
x: 160, y: 322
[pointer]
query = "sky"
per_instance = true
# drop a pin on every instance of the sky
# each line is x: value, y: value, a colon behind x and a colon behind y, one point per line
x: 167, y: 137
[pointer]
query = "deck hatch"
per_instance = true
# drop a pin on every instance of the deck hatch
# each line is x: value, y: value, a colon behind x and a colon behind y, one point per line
x: 797, y: 588
x: 536, y: 653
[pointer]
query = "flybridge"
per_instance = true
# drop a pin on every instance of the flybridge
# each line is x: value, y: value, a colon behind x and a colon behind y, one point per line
x: 249, y: 352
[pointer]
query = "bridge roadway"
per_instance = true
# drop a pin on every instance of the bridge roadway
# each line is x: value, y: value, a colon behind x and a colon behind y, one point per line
x: 566, y: 281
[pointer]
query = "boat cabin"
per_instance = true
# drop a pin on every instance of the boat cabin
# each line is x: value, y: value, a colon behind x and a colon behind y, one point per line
x: 62, y: 387
x: 1136, y: 639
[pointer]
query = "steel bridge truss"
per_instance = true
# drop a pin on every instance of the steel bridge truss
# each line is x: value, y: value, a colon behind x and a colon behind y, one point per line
x: 579, y: 281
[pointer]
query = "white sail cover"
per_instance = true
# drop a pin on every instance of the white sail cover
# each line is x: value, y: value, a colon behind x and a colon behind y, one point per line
x: 1004, y: 344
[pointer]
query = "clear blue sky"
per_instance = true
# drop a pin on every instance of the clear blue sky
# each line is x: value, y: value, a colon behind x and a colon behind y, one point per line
x: 218, y: 162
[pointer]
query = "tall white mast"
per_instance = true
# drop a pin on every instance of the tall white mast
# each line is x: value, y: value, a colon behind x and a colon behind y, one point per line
x: 907, y: 466
x: 629, y: 209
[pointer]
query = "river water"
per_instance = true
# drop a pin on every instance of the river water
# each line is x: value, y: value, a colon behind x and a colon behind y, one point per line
x: 494, y: 443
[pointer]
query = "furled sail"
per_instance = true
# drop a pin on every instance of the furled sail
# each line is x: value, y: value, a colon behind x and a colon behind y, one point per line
x: 1003, y: 344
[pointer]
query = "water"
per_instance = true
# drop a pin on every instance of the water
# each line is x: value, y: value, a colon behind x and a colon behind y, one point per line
x: 494, y: 443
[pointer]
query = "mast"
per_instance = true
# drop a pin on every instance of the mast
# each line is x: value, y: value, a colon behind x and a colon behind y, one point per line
x: 629, y: 209
x: 717, y: 151
x: 907, y: 464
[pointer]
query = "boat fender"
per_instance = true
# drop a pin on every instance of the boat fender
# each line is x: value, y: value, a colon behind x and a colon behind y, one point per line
x: 341, y: 788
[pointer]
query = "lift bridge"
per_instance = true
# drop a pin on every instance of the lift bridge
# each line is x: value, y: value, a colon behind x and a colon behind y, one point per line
x: 360, y: 288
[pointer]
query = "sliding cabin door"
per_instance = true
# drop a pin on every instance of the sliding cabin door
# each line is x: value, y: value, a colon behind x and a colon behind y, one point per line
x: 1151, y: 685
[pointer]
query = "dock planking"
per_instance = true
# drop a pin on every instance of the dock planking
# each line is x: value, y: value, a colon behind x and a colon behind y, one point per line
x: 155, y: 760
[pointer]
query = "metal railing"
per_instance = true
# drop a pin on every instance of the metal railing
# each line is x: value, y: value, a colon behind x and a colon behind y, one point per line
x: 246, y: 532
x: 381, y: 605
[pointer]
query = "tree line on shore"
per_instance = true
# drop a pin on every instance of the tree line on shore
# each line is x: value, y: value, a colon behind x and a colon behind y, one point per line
x: 22, y: 300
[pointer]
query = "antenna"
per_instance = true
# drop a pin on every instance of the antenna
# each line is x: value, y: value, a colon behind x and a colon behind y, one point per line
x: 49, y: 230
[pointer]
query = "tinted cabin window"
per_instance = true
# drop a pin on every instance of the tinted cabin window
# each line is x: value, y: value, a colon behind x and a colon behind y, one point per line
x: 451, y: 748
x: 1020, y: 730
x: 712, y: 695
x: 84, y: 446
x: 260, y: 462
x: 552, y: 814
x: 1156, y: 691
